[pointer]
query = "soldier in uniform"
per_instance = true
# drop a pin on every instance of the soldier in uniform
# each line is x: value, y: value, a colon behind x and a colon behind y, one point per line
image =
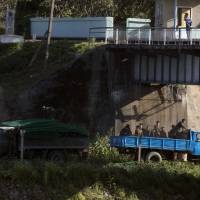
x: 181, y: 129
x: 156, y: 130
x: 163, y: 132
x: 139, y: 130
x: 126, y: 131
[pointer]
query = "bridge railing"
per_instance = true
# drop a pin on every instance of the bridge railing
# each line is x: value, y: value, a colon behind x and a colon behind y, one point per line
x: 146, y: 36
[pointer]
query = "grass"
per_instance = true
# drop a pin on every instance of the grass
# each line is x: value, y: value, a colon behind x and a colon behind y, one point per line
x: 86, y: 180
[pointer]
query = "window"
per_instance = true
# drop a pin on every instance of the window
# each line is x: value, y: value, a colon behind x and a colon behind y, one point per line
x: 181, y: 15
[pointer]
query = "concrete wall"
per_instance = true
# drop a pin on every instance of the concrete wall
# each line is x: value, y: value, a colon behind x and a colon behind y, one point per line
x: 193, y: 108
x: 152, y: 103
x: 143, y: 100
x: 165, y: 17
x: 195, y: 5
x: 164, y: 13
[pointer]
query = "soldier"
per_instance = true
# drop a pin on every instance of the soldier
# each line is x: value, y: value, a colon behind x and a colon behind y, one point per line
x: 163, y: 132
x: 172, y: 132
x: 156, y: 130
x: 181, y: 129
x: 139, y: 130
x: 146, y: 132
x: 126, y: 131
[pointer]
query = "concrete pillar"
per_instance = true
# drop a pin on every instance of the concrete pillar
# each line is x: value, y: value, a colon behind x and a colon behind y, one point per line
x: 175, y: 13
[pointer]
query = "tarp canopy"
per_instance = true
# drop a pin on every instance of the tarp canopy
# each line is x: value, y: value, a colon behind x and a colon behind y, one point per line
x: 48, y: 127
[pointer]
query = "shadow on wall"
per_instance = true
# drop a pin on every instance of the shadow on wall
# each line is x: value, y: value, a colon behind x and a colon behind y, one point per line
x: 147, y: 104
x: 135, y: 103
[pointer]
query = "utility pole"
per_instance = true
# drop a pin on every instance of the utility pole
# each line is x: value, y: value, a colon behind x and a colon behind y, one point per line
x: 49, y: 32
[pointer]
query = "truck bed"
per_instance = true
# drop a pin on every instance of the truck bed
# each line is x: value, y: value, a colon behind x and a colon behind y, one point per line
x: 150, y: 143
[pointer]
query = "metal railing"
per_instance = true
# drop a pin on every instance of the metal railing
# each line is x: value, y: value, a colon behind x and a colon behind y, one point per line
x: 146, y: 36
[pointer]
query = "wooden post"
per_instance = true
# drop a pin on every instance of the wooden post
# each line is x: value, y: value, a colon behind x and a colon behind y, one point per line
x: 22, y: 145
x: 139, y: 153
x: 49, y: 31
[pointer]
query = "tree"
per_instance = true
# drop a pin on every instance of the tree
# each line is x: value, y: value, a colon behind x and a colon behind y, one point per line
x: 79, y: 8
x: 136, y: 8
x: 119, y: 9
x: 3, y: 6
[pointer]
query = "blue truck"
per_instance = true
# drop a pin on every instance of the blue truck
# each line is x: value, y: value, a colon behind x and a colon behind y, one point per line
x: 156, y: 148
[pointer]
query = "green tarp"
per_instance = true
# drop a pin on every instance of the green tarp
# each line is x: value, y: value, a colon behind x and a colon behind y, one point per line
x: 45, y: 127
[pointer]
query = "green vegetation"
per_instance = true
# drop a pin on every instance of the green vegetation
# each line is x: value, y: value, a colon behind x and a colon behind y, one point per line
x: 17, y: 74
x: 120, y: 10
x: 100, y: 151
x: 108, y: 179
x: 86, y: 180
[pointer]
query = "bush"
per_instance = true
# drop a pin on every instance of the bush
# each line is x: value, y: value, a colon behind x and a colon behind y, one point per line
x: 24, y: 173
x: 100, y: 150
x: 53, y: 174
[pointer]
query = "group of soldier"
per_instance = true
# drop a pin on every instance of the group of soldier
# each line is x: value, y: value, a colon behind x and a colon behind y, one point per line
x: 177, y: 131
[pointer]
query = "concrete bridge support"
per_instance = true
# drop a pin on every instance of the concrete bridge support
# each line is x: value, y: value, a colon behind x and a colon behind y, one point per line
x: 149, y: 103
x: 146, y: 86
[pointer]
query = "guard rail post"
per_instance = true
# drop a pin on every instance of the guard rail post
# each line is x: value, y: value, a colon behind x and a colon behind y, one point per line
x: 165, y: 36
x: 191, y: 40
x: 106, y: 36
x: 117, y: 36
x: 150, y: 36
x: 179, y: 35
x: 127, y: 32
x: 139, y: 36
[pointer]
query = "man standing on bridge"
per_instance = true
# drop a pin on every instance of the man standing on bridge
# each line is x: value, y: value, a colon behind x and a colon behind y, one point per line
x: 188, y: 23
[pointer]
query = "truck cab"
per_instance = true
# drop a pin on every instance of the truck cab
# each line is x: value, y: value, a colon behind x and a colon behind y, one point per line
x: 195, y: 143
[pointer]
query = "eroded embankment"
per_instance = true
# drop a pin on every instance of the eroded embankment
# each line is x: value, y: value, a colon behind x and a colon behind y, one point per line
x: 72, y: 88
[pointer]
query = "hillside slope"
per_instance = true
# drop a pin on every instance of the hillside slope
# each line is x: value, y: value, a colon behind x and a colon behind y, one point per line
x: 71, y: 88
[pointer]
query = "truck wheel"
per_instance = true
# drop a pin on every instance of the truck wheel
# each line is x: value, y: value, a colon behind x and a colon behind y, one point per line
x: 56, y: 156
x: 154, y: 156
